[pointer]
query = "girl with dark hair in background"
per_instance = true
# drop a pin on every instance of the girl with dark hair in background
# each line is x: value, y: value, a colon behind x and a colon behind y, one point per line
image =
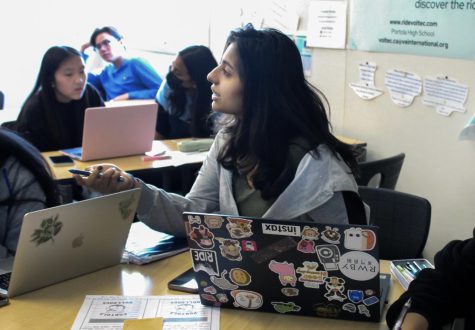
x: 275, y: 158
x: 124, y: 78
x: 185, y: 97
x: 52, y: 116
x: 25, y: 186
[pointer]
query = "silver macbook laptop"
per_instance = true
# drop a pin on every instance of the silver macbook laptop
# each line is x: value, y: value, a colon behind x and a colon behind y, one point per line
x: 66, y: 241
x: 116, y: 132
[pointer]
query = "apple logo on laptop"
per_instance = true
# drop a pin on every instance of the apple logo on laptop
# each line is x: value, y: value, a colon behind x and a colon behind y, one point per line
x: 77, y: 242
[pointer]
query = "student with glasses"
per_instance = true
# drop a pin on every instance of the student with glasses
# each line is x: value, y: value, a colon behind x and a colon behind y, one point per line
x: 123, y: 78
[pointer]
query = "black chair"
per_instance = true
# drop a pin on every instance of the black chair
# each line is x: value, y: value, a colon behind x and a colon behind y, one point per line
x: 9, y: 124
x: 2, y: 100
x: 403, y: 220
x: 387, y: 170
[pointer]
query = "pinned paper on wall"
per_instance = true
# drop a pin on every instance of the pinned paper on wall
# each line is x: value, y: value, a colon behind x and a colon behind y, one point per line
x: 280, y: 15
x: 327, y: 24
x: 403, y: 86
x: 468, y: 132
x: 365, y: 88
x: 251, y: 15
x: 444, y: 94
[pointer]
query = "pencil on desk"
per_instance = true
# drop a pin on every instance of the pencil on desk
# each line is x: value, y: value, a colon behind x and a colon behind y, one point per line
x: 159, y: 157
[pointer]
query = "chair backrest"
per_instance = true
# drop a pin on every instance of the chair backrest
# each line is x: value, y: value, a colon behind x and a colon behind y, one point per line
x: 2, y: 100
x: 9, y: 124
x: 403, y: 220
x: 387, y: 169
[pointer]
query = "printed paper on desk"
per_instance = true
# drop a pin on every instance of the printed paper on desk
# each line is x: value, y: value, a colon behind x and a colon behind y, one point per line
x: 187, y: 312
x: 110, y: 312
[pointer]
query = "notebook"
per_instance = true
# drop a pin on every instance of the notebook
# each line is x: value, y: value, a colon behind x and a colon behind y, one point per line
x: 287, y: 267
x: 66, y: 241
x: 145, y: 245
x: 116, y: 132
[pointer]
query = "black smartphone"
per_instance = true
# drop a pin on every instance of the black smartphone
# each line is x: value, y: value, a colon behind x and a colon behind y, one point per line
x: 61, y: 160
x: 184, y: 282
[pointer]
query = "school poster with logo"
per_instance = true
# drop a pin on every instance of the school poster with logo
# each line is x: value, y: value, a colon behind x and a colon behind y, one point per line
x: 421, y: 27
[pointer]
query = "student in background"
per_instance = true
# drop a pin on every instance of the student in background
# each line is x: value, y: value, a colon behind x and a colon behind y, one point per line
x: 185, y: 96
x: 275, y: 157
x: 25, y: 186
x: 440, y: 295
x: 52, y: 116
x: 124, y: 78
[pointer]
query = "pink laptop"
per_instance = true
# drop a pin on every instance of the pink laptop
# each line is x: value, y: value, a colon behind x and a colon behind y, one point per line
x: 116, y: 132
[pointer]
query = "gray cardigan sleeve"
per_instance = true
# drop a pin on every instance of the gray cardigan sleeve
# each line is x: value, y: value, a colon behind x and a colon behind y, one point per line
x: 162, y: 211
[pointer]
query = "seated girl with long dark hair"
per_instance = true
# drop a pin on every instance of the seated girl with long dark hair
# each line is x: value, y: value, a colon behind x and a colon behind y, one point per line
x: 52, y: 116
x: 185, y: 97
x: 275, y: 157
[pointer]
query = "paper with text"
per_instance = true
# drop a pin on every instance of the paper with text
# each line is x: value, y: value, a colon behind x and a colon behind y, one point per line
x: 327, y: 24
x: 403, y: 86
x: 365, y: 88
x: 180, y: 312
x: 444, y: 94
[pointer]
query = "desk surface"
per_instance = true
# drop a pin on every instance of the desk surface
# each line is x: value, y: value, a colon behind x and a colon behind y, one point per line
x: 56, y: 306
x: 135, y: 163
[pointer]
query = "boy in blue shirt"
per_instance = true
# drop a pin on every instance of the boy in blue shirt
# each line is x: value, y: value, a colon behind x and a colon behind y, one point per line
x: 124, y: 78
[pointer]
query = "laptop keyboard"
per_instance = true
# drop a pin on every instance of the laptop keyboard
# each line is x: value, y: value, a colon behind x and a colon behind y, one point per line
x: 5, y: 280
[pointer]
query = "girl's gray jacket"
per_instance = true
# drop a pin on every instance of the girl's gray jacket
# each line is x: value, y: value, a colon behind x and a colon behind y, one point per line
x: 313, y: 195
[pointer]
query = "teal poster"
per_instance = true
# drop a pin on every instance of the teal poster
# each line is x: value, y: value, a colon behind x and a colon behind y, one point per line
x: 421, y: 27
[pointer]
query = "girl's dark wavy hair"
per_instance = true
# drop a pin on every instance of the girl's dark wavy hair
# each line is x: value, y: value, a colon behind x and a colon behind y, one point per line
x: 199, y: 61
x: 279, y: 105
x: 52, y: 60
x: 26, y: 154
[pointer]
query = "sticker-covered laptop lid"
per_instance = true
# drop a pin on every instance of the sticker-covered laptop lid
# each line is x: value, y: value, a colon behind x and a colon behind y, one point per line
x: 287, y: 267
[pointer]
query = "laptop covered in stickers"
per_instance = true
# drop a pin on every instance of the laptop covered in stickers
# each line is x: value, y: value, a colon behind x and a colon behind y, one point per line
x: 69, y: 240
x: 287, y: 267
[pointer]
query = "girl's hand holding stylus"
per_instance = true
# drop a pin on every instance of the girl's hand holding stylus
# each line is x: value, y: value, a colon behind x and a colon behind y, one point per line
x: 106, y: 179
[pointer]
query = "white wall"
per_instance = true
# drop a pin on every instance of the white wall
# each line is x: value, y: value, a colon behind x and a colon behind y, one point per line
x: 437, y: 165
